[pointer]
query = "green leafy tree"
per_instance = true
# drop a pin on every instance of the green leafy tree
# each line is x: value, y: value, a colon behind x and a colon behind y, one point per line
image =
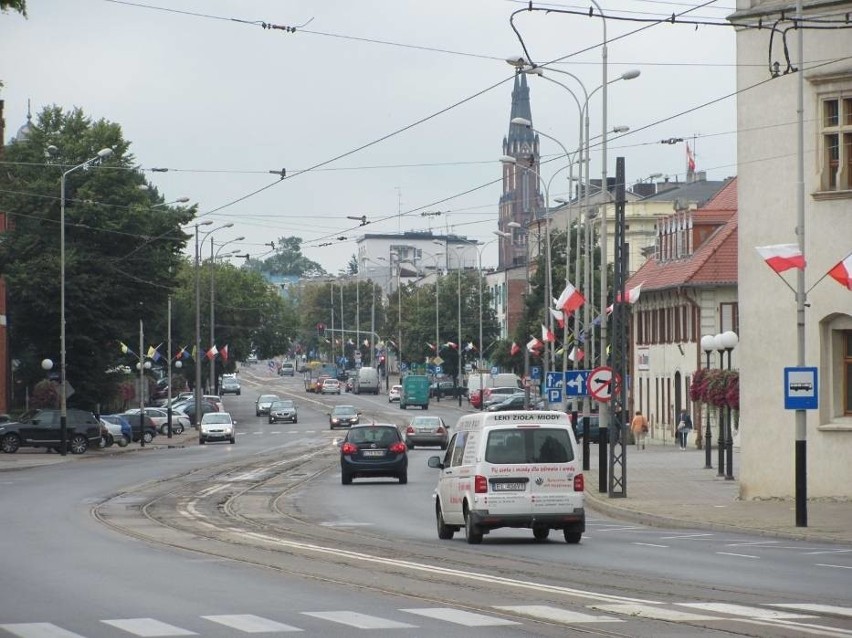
x: 14, y: 5
x: 289, y: 260
x: 120, y: 251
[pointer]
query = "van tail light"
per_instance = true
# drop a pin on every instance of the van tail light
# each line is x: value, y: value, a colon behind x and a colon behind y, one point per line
x: 409, y: 430
x: 579, y: 483
x: 349, y: 448
x: 397, y: 448
x: 480, y: 484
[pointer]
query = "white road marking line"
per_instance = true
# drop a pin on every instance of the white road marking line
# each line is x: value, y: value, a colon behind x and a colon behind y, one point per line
x: 360, y: 621
x: 211, y: 490
x: 737, y: 555
x: 820, y: 609
x: 555, y: 614
x: 38, y: 630
x: 250, y: 624
x: 757, y: 613
x: 752, y: 543
x: 433, y: 569
x: 148, y: 627
x: 684, y: 537
x: 835, y: 566
x: 829, y: 551
x: 345, y: 524
x: 651, y: 545
x: 461, y: 617
x: 618, y: 529
x: 655, y: 613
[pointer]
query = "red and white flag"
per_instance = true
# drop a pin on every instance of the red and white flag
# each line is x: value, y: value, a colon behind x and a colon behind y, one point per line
x: 576, y: 354
x: 211, y: 354
x: 546, y: 335
x: 224, y: 352
x: 452, y: 345
x: 431, y: 346
x: 570, y: 299
x: 533, y: 345
x: 515, y: 349
x: 558, y: 316
x: 469, y: 346
x: 632, y: 297
x: 690, y: 159
x: 781, y: 257
x: 842, y: 272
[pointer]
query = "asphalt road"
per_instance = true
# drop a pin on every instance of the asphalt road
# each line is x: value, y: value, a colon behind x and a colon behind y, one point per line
x: 260, y: 536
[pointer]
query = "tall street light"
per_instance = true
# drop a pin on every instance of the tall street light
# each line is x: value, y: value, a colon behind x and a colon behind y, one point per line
x: 708, y: 344
x: 63, y: 381
x: 526, y: 297
x: 213, y: 257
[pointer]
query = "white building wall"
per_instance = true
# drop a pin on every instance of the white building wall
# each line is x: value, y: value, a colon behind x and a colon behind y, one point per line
x: 767, y: 203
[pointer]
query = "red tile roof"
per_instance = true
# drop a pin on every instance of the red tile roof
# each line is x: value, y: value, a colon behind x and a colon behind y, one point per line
x: 714, y: 262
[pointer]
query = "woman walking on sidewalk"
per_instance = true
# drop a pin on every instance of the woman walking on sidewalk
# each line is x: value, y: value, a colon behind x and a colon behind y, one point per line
x: 684, y: 427
x: 639, y: 427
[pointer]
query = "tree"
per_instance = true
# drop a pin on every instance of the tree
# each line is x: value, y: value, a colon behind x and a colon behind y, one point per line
x: 352, y: 266
x: 15, y: 5
x: 289, y: 260
x: 120, y: 253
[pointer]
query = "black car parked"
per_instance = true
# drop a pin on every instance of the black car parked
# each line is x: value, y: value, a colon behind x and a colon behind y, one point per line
x: 41, y: 428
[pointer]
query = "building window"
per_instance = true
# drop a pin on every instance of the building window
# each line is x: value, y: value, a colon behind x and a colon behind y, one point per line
x: 847, y: 372
x: 836, y: 125
x: 729, y: 317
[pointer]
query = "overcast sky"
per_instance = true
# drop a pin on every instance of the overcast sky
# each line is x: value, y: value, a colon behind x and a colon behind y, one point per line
x: 221, y: 102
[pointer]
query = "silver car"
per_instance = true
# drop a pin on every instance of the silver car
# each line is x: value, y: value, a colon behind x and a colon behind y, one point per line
x: 217, y: 426
x: 427, y: 430
x: 264, y: 402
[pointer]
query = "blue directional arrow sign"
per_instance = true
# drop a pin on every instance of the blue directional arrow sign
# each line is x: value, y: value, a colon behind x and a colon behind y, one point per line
x: 575, y: 385
x: 553, y: 380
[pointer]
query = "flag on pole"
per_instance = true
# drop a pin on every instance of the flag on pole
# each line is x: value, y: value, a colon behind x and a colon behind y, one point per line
x: 431, y: 346
x: 194, y: 353
x: 469, y: 346
x: 366, y: 343
x: 515, y: 349
x: 576, y: 354
x: 224, y: 352
x: 533, y: 345
x: 570, y: 299
x: 842, y: 272
x: 211, y: 354
x: 546, y: 335
x: 558, y: 316
x: 349, y: 342
x: 781, y: 257
x: 154, y: 353
x: 125, y: 349
x: 452, y: 345
x: 690, y: 159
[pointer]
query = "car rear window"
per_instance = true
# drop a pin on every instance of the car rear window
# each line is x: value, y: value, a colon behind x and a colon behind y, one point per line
x: 382, y: 436
x: 539, y: 445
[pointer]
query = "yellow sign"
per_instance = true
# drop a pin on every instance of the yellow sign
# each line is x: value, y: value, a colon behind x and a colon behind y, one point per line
x: 437, y: 361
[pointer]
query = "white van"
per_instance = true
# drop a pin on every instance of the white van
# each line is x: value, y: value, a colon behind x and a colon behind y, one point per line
x: 367, y: 380
x: 501, y: 380
x: 517, y: 468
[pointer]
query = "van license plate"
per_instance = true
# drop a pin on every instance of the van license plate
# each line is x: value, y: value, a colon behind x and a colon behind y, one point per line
x: 374, y: 452
x: 508, y: 487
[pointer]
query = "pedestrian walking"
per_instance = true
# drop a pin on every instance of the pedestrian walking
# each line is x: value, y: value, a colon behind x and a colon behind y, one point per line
x: 639, y: 427
x: 684, y: 427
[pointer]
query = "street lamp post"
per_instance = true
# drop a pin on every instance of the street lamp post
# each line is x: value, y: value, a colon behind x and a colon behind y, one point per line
x: 708, y: 344
x: 720, y: 347
x: 526, y: 296
x: 729, y: 341
x: 213, y: 257
x: 63, y: 381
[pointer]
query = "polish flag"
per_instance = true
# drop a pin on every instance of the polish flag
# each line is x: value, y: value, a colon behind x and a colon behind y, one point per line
x: 452, y: 345
x: 533, y: 345
x: 211, y: 354
x: 570, y: 299
x: 224, y: 353
x: 469, y: 346
x: 781, y: 257
x: 431, y: 346
x: 558, y: 316
x: 690, y: 159
x: 546, y: 335
x: 515, y: 349
x: 576, y: 354
x: 842, y: 272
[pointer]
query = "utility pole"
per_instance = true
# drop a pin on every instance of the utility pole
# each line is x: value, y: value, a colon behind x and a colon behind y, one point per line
x: 618, y: 430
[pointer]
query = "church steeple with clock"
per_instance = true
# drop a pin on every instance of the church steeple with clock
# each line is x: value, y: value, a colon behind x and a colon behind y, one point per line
x: 521, y: 200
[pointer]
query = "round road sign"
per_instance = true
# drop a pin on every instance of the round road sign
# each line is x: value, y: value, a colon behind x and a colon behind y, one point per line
x: 602, y: 383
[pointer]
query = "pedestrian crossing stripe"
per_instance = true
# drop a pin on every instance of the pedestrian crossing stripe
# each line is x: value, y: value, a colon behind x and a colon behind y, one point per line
x: 613, y: 613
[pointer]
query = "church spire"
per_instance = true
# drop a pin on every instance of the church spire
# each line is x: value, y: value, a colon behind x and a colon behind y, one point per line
x: 519, y: 134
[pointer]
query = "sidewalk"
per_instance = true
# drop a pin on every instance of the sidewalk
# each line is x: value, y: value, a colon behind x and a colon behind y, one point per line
x: 666, y: 486
x: 39, y: 457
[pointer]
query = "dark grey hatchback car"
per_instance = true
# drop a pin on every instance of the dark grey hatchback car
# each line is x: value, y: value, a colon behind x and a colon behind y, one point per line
x: 371, y: 450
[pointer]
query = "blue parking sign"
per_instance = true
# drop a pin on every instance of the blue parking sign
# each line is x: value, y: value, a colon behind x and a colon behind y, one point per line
x: 535, y: 373
x: 554, y: 395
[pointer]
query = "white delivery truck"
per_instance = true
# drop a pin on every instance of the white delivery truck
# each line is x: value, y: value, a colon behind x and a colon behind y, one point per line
x: 500, y: 380
x: 366, y: 380
x: 511, y: 469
